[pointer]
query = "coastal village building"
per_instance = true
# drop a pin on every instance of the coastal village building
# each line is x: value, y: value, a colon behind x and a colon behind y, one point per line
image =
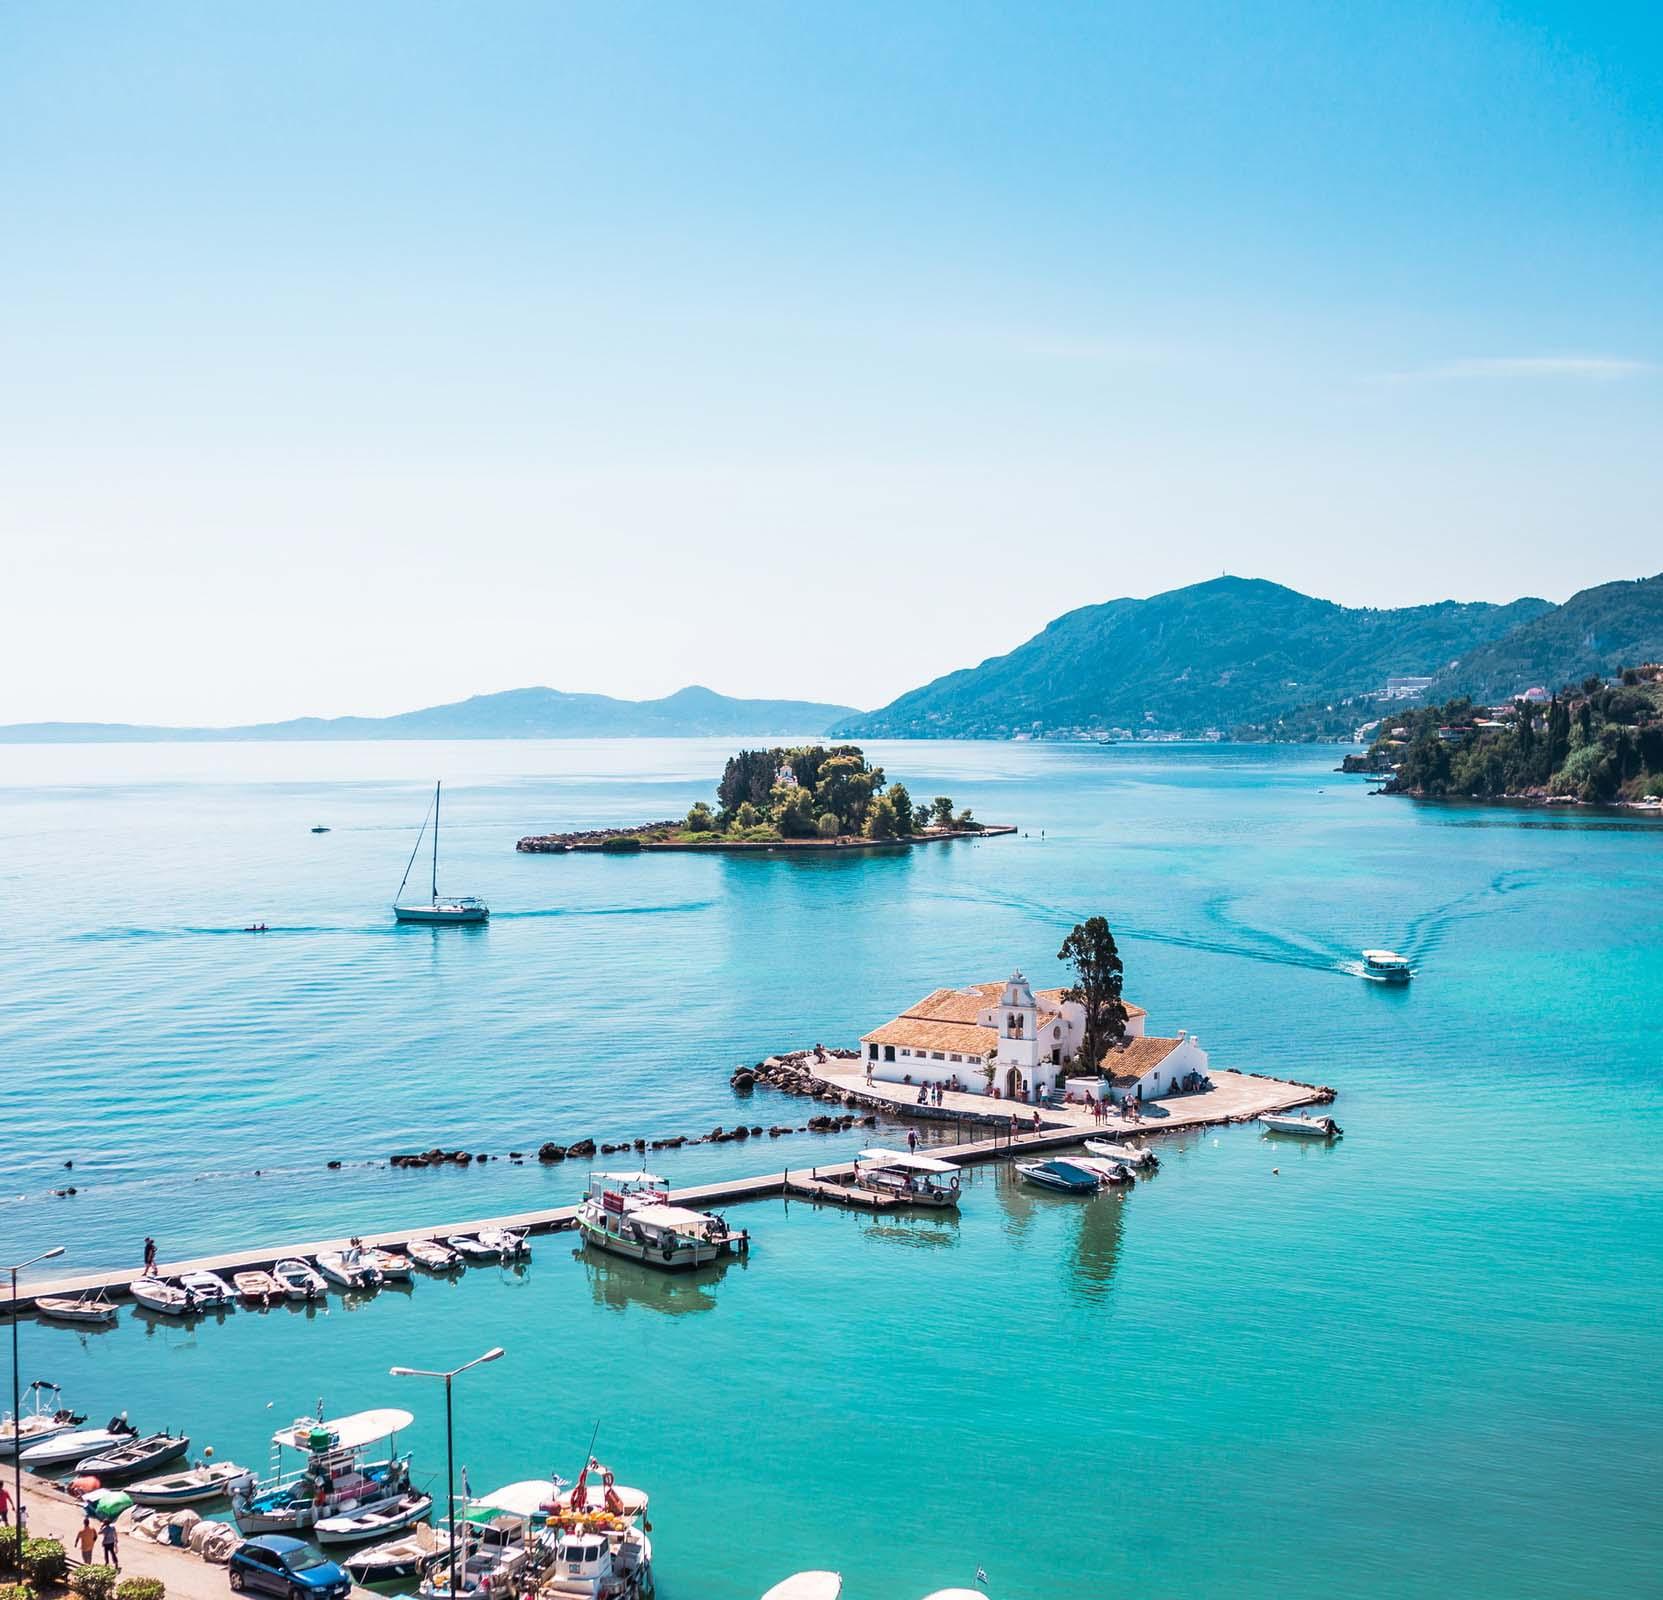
x: 1013, y: 1042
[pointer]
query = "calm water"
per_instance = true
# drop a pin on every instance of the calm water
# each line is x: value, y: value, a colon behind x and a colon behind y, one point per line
x: 1425, y: 1358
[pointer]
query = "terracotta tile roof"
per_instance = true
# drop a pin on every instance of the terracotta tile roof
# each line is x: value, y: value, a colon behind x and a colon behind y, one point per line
x: 955, y: 1005
x: 1128, y: 1062
x: 919, y: 1033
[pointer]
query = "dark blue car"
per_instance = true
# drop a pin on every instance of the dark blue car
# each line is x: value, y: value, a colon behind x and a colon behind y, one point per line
x: 276, y: 1564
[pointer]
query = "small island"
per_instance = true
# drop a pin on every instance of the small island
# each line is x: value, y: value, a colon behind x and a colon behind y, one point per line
x: 810, y: 797
x: 1598, y: 743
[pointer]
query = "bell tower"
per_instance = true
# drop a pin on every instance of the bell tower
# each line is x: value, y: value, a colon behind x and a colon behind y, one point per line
x: 1018, y: 1020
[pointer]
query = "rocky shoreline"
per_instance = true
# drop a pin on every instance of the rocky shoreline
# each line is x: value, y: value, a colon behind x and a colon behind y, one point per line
x: 643, y: 837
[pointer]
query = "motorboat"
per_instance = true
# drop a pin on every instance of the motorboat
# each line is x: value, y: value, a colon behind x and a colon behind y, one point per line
x: 1066, y: 1177
x: 47, y: 1416
x: 212, y: 1292
x: 334, y: 1477
x: 320, y: 828
x: 807, y: 1586
x: 348, y: 1268
x: 629, y: 1213
x: 95, y: 1309
x: 1109, y: 1172
x: 440, y: 909
x: 595, y: 1546
x: 398, y: 1560
x: 917, y: 1180
x: 507, y: 1243
x: 1131, y: 1155
x: 133, y: 1457
x: 257, y: 1288
x: 432, y: 1256
x: 157, y: 1294
x: 469, y: 1247
x: 1386, y: 966
x: 65, y: 1449
x: 1303, y: 1123
x: 392, y: 1266
x: 207, y: 1480
x: 300, y: 1279
x: 374, y: 1522
x: 496, y: 1540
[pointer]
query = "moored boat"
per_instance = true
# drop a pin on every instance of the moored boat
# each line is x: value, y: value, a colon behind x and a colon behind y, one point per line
x: 1131, y: 1155
x: 210, y: 1291
x: 917, y: 1180
x: 1109, y: 1172
x: 348, y: 1268
x: 398, y: 1560
x: 393, y: 1267
x: 157, y: 1294
x: 432, y: 1256
x: 807, y: 1586
x: 47, y: 1417
x: 300, y: 1279
x: 335, y: 1478
x: 595, y: 1546
x: 629, y: 1214
x: 1386, y: 966
x: 95, y: 1309
x: 1066, y: 1177
x: 471, y: 1248
x: 373, y: 1522
x: 207, y: 1480
x: 257, y: 1288
x: 65, y: 1449
x: 1303, y: 1124
x: 507, y: 1243
x: 134, y: 1457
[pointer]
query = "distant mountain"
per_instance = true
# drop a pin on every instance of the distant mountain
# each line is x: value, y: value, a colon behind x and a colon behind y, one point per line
x: 1596, y: 631
x: 513, y: 714
x: 1236, y: 654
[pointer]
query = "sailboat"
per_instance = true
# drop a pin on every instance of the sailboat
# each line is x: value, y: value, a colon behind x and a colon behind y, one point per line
x: 458, y: 908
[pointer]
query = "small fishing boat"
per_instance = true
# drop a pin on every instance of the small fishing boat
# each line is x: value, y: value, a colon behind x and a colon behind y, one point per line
x: 433, y: 1256
x: 508, y: 1243
x: 469, y: 1246
x: 1131, y: 1155
x: 211, y: 1292
x: 1108, y: 1172
x: 157, y: 1294
x: 65, y: 1449
x: 398, y: 1560
x: 47, y: 1417
x: 257, y: 1288
x: 207, y: 1480
x: 134, y: 1457
x: 348, y: 1268
x: 495, y: 1541
x: 1303, y: 1124
x: 807, y: 1586
x: 87, y: 1308
x: 918, y: 1180
x: 334, y: 1478
x: 319, y: 828
x: 1066, y: 1177
x: 374, y: 1522
x: 629, y: 1214
x: 1386, y: 966
x: 300, y: 1279
x: 392, y: 1266
x: 440, y: 909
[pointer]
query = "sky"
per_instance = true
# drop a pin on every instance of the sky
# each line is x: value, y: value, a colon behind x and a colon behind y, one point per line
x: 357, y: 358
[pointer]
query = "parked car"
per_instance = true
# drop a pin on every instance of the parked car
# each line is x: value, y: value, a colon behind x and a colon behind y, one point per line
x: 276, y: 1564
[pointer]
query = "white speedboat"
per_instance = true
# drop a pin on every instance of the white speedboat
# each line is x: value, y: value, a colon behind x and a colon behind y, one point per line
x: 207, y: 1480
x: 95, y: 1309
x: 46, y: 1417
x: 398, y: 1560
x: 470, y: 1247
x: 373, y: 1522
x: 1108, y: 1172
x: 507, y: 1243
x: 807, y: 1586
x: 133, y: 1457
x: 439, y: 909
x: 432, y: 1256
x: 334, y: 1477
x: 65, y: 1449
x: 393, y: 1267
x: 1303, y: 1123
x: 1386, y: 966
x: 348, y: 1268
x: 1130, y: 1155
x: 300, y: 1279
x: 211, y: 1292
x: 918, y: 1180
x: 629, y: 1214
x: 157, y: 1294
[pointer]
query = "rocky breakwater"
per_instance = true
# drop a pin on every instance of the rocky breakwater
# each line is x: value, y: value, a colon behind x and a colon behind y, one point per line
x: 553, y: 844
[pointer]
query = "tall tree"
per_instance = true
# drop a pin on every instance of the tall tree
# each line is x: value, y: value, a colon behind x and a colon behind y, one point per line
x: 1090, y: 950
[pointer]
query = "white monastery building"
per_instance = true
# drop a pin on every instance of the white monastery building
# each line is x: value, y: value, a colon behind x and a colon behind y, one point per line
x: 1013, y: 1042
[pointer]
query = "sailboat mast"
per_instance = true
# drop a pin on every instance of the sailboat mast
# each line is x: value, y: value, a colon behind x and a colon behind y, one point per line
x: 436, y: 788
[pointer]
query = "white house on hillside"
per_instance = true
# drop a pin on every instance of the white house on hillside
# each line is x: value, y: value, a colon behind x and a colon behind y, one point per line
x: 1008, y: 1040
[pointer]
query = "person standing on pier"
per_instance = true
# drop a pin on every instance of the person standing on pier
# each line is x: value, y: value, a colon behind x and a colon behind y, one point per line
x: 912, y: 1140
x: 149, y: 1254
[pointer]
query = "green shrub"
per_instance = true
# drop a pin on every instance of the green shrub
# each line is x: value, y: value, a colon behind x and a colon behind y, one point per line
x: 620, y: 841
x: 93, y: 1582
x: 8, y: 1549
x: 140, y: 1589
x: 15, y: 1591
x: 828, y: 827
x: 44, y: 1563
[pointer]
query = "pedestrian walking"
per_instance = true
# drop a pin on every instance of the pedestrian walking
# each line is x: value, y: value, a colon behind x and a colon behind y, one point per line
x: 912, y: 1140
x: 5, y: 1504
x: 111, y: 1557
x: 149, y: 1254
x: 86, y: 1536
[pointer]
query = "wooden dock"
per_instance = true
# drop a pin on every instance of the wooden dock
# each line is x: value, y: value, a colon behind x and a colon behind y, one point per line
x: 1237, y: 1097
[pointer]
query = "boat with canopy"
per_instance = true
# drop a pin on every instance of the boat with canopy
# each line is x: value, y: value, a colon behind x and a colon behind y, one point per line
x: 918, y: 1180
x: 334, y: 1478
x: 630, y: 1214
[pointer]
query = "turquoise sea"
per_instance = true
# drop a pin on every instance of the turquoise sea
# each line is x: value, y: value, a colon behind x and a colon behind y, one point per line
x: 1423, y: 1361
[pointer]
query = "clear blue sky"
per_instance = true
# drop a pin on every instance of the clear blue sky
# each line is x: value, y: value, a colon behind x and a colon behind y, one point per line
x: 355, y: 357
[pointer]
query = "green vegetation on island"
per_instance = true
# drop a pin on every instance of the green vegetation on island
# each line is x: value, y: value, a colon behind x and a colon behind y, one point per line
x: 1601, y: 742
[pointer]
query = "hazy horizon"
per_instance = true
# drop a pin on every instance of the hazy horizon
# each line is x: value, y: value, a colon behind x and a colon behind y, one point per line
x: 366, y: 359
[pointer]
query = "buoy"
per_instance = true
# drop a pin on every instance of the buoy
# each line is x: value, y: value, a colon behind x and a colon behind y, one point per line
x: 86, y: 1485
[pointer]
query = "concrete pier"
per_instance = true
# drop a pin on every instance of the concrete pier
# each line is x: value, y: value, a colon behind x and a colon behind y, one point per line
x: 1234, y: 1097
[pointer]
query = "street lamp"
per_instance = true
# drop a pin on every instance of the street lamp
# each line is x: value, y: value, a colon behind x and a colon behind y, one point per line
x: 450, y: 1439
x: 17, y: 1398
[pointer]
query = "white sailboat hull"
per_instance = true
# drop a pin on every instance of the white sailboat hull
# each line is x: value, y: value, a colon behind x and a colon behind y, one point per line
x: 446, y: 914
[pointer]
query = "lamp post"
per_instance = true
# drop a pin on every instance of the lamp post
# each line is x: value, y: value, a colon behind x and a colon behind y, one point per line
x: 17, y: 1399
x: 450, y: 1439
